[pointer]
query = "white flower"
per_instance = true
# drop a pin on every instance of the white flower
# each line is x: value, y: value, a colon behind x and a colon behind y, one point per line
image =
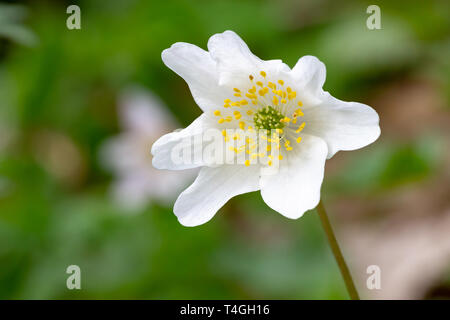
x: 143, y: 118
x: 236, y: 89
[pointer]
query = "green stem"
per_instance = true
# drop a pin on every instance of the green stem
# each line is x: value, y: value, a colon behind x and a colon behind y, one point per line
x: 337, y: 252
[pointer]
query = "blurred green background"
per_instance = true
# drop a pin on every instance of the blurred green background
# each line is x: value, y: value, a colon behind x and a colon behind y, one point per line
x: 58, y: 105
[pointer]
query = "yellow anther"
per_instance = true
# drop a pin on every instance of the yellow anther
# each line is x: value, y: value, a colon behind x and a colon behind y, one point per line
x: 299, y: 139
x: 221, y: 120
x: 281, y: 82
x: 236, y: 136
x: 275, y: 100
x: 254, y: 102
x: 300, y: 128
x: 251, y: 77
x: 247, y: 162
x: 226, y: 105
x: 249, y: 112
x: 287, y: 143
x: 217, y: 113
x: 227, y: 101
x: 271, y: 85
x: 269, y: 148
x: 299, y: 112
x: 280, y: 157
x: 243, y: 102
x: 236, y: 90
x: 259, y: 83
x: 280, y: 93
x: 269, y: 162
x: 242, y: 125
x: 250, y: 128
x: 228, y: 119
x: 251, y: 95
x: 288, y: 148
x: 280, y: 131
x: 266, y: 90
x: 261, y: 92
x: 235, y: 104
x: 294, y: 121
x: 224, y: 132
x: 263, y: 74
x: 237, y: 95
x: 300, y: 103
x: 283, y: 101
x: 288, y: 89
x: 286, y: 119
x: 252, y: 90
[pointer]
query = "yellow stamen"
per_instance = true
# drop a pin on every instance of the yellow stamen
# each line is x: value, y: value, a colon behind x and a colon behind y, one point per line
x: 300, y: 128
x: 275, y: 100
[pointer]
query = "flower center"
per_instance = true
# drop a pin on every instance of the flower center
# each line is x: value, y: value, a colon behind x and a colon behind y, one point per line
x: 268, y: 118
x: 272, y: 108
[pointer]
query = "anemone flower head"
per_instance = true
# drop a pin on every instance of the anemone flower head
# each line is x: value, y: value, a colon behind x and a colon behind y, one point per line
x: 143, y: 118
x: 268, y: 116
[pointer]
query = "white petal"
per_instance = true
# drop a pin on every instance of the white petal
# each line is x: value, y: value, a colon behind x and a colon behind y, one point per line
x: 212, y: 189
x: 163, y: 149
x: 296, y: 187
x: 343, y: 125
x: 236, y: 62
x: 197, y: 68
x: 309, y: 73
x: 309, y: 76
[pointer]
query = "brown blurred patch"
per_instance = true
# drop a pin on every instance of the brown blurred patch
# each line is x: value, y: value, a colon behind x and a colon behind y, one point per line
x: 409, y: 107
x: 60, y: 156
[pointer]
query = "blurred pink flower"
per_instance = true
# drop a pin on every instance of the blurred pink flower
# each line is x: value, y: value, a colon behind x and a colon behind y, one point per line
x: 412, y: 254
x: 143, y: 118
